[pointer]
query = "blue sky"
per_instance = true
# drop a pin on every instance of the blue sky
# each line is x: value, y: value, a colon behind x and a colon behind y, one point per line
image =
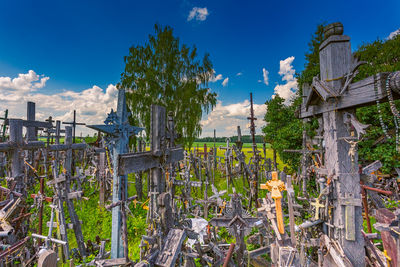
x: 80, y: 45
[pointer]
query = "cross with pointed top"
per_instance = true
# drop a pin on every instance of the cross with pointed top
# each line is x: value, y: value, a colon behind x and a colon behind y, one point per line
x: 117, y: 126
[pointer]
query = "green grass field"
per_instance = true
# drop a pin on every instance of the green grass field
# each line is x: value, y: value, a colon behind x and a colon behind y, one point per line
x: 218, y: 144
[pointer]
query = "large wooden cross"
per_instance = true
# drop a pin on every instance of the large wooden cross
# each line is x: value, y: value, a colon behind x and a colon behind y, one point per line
x: 330, y: 96
x: 117, y: 126
x: 156, y: 160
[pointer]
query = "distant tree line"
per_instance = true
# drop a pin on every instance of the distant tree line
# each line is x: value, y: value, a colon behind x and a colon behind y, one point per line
x: 245, y: 139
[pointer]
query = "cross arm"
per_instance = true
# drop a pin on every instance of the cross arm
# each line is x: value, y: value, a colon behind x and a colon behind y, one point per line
x: 361, y: 93
x: 4, y: 147
x: 220, y: 222
x: 60, y: 147
x: 39, y: 124
x: 142, y: 161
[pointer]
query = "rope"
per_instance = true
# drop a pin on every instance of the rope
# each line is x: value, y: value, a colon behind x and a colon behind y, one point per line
x: 108, y: 161
x: 334, y: 79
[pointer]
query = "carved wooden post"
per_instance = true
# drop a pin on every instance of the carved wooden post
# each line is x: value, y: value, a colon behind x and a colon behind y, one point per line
x: 120, y: 146
x: 118, y: 127
x: 102, y: 177
x: 17, y: 167
x: 335, y: 62
x: 157, y: 132
x: 76, y: 225
x: 31, y: 131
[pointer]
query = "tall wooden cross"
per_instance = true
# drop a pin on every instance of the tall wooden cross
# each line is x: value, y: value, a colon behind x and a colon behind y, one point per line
x: 74, y: 123
x: 118, y: 127
x: 155, y: 160
x: 254, y: 178
x: 330, y: 97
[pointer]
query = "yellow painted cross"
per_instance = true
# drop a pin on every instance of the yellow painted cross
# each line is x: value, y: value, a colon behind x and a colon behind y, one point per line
x: 317, y: 206
x: 135, y: 202
x: 276, y: 186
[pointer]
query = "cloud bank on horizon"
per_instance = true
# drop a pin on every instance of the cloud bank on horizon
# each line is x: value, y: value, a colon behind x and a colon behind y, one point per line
x: 91, y: 105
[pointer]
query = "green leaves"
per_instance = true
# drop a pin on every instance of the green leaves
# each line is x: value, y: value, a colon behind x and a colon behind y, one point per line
x: 283, y: 129
x: 164, y: 72
x: 382, y: 56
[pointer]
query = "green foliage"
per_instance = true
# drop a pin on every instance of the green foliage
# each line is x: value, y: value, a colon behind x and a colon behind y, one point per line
x: 382, y: 56
x: 283, y: 129
x: 166, y: 73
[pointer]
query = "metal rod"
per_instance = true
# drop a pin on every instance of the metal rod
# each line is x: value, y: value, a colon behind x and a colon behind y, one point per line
x: 229, y: 255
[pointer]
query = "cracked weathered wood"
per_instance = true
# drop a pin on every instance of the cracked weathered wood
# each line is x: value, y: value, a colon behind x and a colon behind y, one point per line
x: 336, y: 62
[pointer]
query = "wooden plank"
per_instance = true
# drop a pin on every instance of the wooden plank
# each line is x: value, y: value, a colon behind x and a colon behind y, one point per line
x: 361, y: 93
x: 171, y: 248
x: 111, y: 262
x: 135, y: 162
x: 63, y: 147
x: 338, y: 256
x: 374, y: 166
x: 142, y: 161
x: 389, y: 242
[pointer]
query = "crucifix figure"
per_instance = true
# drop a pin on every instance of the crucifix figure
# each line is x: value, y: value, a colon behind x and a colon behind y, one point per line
x: 353, y: 148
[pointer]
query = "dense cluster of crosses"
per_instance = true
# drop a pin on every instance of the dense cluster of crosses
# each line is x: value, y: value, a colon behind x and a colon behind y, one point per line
x: 187, y: 208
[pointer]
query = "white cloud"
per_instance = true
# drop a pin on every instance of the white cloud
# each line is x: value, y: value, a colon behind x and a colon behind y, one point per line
x: 198, y: 13
x: 225, y: 82
x: 239, y: 74
x: 91, y: 105
x: 226, y: 118
x: 23, y: 83
x: 288, y: 90
x: 216, y: 78
x: 393, y: 34
x: 265, y: 76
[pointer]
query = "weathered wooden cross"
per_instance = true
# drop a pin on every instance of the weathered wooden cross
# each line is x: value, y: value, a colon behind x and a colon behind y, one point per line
x: 16, y: 145
x: 238, y: 223
x: 74, y: 123
x: 62, y: 185
x: 331, y: 96
x: 118, y: 127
